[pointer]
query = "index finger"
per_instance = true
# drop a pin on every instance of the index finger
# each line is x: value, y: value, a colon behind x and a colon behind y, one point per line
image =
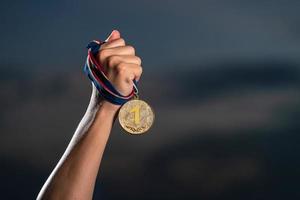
x: 112, y: 44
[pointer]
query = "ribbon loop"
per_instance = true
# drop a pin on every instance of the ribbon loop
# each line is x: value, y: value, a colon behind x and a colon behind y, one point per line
x: 95, y: 73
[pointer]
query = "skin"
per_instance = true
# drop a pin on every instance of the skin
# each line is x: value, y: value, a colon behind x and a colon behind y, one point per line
x: 75, y: 174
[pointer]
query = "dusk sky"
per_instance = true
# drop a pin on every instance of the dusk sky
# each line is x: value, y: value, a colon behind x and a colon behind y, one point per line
x: 223, y: 78
x: 51, y: 34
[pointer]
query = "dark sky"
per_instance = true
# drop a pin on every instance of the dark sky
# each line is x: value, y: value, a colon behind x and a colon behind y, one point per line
x: 223, y: 78
x: 51, y: 34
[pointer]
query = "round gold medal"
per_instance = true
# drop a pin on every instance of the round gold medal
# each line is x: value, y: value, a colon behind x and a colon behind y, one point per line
x: 136, y: 117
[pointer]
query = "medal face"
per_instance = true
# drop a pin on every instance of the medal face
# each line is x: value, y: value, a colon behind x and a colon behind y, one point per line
x: 136, y: 117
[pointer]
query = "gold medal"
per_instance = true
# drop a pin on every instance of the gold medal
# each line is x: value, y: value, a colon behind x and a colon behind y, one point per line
x: 136, y: 117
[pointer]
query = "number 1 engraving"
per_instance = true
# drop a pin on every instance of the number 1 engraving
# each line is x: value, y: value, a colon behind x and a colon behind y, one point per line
x: 136, y: 111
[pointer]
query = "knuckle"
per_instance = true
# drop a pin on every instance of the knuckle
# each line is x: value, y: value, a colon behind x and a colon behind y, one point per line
x: 103, y: 46
x: 112, y: 60
x: 102, y: 54
x: 139, y: 60
x: 121, y: 68
x: 122, y: 41
x: 140, y: 70
x: 131, y: 49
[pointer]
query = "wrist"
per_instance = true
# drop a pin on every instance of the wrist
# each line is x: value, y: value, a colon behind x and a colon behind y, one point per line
x: 107, y: 109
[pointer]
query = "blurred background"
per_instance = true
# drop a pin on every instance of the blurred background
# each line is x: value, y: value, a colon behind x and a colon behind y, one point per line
x: 222, y: 76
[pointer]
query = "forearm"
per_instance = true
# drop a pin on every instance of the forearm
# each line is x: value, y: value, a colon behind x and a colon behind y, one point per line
x: 75, y: 174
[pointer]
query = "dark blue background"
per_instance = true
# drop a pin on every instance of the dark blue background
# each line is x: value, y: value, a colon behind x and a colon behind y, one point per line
x: 223, y: 78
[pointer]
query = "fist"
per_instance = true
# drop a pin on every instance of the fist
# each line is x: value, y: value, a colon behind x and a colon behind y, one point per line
x: 120, y: 63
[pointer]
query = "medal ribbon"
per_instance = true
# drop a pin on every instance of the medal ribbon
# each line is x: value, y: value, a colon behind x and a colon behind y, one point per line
x: 96, y: 74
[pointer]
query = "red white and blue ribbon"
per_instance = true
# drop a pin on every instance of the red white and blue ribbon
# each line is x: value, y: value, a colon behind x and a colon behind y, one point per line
x: 96, y: 74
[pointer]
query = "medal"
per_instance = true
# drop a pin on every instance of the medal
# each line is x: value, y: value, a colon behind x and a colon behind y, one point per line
x: 135, y: 116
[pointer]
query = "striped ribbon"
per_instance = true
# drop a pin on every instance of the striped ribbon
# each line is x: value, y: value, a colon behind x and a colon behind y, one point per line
x: 96, y: 74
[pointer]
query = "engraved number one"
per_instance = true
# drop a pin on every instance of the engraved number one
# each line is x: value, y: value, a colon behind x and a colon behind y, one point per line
x: 136, y: 111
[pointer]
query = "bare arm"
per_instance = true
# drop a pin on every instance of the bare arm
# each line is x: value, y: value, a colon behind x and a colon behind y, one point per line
x: 75, y: 174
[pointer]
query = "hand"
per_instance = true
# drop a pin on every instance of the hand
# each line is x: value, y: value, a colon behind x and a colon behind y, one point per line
x: 121, y: 64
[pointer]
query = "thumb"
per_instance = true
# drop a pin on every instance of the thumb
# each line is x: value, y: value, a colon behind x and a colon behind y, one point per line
x: 115, y: 34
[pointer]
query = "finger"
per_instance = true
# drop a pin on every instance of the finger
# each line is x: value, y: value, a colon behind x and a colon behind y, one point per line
x: 115, y: 43
x: 136, y: 71
x: 115, y: 34
x: 129, y: 71
x: 114, y: 60
x: 105, y: 53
